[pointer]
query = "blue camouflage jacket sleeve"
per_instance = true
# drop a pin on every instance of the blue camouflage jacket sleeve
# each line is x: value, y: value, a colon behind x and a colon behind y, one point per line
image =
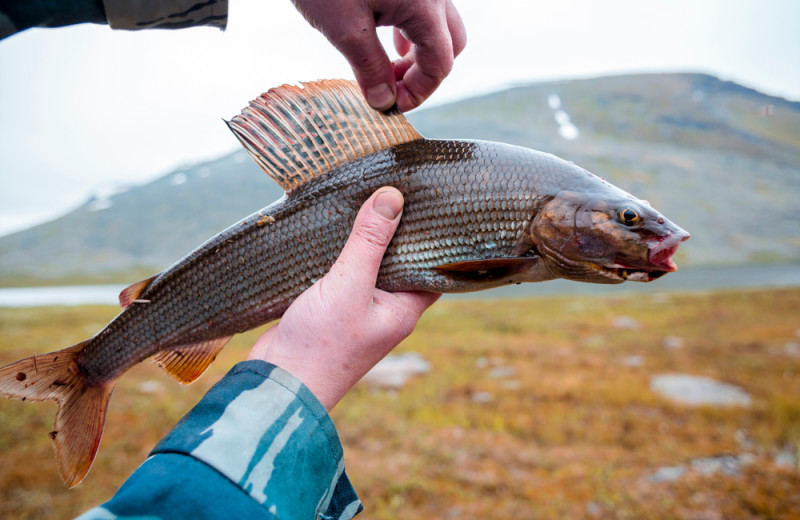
x: 258, y: 445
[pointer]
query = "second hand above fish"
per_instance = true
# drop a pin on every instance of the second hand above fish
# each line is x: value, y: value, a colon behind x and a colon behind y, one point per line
x: 477, y: 215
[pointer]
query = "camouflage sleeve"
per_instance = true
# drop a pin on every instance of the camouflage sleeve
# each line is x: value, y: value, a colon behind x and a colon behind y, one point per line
x: 21, y: 15
x: 161, y: 14
x: 258, y: 445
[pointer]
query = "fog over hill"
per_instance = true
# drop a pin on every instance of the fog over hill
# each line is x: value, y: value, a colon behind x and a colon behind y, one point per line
x: 719, y: 159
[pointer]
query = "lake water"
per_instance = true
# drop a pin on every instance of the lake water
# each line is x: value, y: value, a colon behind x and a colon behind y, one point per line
x: 61, y: 295
x: 688, y: 279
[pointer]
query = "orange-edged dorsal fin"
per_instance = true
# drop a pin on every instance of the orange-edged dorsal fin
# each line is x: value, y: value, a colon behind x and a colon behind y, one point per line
x: 487, y: 270
x: 188, y: 362
x: 297, y: 133
x: 132, y: 293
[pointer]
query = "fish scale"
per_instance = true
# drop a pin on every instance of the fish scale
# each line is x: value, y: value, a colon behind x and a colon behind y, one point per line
x: 477, y: 215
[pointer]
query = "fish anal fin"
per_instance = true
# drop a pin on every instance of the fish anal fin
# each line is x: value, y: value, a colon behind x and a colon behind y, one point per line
x: 81, y: 406
x: 487, y: 270
x: 188, y: 362
x: 132, y: 293
x: 297, y: 133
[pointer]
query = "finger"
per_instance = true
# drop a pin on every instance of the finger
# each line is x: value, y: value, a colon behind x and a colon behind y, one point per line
x: 371, y: 67
x: 430, y: 60
x: 427, y: 64
x: 350, y: 26
x: 458, y: 33
x: 406, y: 307
x: 261, y: 346
x: 401, y: 66
x: 401, y: 45
x: 395, y: 315
x: 356, y: 269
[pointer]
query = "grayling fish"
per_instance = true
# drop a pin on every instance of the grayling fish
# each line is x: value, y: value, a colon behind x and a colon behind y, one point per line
x: 477, y: 215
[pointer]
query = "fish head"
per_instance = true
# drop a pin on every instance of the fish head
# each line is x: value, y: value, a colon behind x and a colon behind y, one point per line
x: 607, y: 237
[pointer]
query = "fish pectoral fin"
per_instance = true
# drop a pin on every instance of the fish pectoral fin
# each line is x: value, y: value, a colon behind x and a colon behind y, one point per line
x: 188, y: 362
x: 487, y: 270
x: 297, y: 133
x: 81, y: 406
x: 132, y: 293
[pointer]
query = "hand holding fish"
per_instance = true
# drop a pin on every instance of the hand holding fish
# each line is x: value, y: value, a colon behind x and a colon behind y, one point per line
x: 428, y: 37
x: 342, y: 325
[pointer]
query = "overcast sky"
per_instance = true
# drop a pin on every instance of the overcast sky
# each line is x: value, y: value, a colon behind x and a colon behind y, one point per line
x: 83, y: 108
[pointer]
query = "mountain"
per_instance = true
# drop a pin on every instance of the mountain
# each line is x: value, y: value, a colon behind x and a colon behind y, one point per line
x: 720, y: 159
x: 142, y: 229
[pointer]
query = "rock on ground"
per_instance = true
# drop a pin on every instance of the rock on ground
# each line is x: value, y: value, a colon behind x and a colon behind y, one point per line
x: 393, y: 371
x: 698, y: 390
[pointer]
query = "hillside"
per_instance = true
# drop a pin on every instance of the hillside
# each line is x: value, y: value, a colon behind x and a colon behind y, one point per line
x: 719, y: 159
x: 143, y: 229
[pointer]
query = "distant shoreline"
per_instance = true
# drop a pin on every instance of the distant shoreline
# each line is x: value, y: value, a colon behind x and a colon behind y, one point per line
x: 687, y: 279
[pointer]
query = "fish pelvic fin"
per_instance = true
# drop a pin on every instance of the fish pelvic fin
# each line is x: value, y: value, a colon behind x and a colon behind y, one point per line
x: 297, y: 133
x: 81, y: 406
x: 188, y: 362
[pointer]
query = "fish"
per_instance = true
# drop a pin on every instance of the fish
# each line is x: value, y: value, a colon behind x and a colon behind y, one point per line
x: 477, y: 215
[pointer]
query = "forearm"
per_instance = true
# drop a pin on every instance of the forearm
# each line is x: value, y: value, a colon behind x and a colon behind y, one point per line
x: 259, y: 445
x: 19, y: 15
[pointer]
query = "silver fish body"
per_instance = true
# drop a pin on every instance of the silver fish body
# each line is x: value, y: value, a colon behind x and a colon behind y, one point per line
x: 477, y: 215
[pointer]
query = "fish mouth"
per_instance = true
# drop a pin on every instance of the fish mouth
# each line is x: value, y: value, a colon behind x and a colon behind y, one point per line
x: 659, y: 261
x: 623, y: 273
x: 661, y: 252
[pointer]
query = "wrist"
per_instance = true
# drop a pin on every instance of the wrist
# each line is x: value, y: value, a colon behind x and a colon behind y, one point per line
x: 327, y: 382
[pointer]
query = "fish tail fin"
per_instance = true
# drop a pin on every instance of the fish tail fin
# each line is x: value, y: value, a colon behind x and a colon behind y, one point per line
x: 81, y: 406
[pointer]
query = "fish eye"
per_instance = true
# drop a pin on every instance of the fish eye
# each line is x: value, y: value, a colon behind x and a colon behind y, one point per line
x: 629, y: 217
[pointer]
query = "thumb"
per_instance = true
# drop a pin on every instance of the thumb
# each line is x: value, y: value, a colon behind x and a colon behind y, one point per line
x: 372, y: 68
x: 356, y: 269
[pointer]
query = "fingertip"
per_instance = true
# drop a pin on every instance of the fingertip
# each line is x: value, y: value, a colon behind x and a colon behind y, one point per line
x: 380, y: 97
x: 408, y: 100
x: 420, y: 80
x: 388, y: 203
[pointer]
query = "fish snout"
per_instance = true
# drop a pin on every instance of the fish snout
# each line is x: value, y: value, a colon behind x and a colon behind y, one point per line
x: 661, y: 252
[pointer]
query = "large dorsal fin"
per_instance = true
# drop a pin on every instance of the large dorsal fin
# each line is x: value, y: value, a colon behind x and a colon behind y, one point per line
x: 296, y: 133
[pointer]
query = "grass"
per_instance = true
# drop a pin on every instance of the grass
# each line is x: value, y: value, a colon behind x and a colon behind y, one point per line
x: 535, y: 408
x: 121, y: 277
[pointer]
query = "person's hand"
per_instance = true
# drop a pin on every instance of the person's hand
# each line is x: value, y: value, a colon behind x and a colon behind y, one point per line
x: 342, y: 325
x: 428, y: 36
